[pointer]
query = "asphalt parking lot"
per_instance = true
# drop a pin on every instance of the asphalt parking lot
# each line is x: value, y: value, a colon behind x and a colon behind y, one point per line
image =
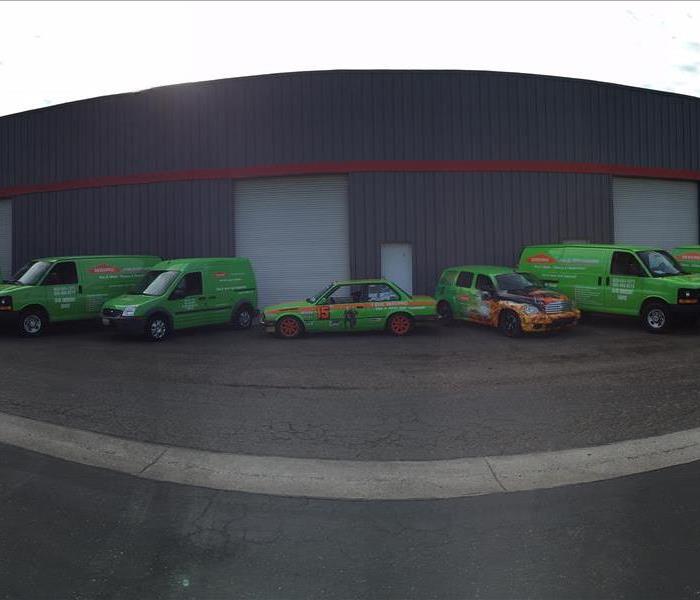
x: 79, y: 533
x: 443, y: 392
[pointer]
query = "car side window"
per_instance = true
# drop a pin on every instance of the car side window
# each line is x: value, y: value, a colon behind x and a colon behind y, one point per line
x: 190, y: 285
x: 465, y: 279
x: 484, y: 283
x: 380, y: 292
x: 346, y: 294
x: 63, y: 273
x: 624, y: 263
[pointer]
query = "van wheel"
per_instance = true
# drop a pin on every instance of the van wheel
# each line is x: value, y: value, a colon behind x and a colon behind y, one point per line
x: 243, y: 318
x: 32, y: 322
x: 510, y: 325
x: 656, y: 318
x: 289, y: 328
x: 445, y: 311
x: 400, y: 324
x: 157, y: 328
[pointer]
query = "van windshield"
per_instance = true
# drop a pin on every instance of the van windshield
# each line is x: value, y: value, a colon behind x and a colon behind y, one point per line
x: 156, y: 283
x: 517, y: 282
x: 31, y: 273
x: 660, y: 263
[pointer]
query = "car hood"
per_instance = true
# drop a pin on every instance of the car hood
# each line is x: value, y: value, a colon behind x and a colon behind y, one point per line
x: 537, y: 296
x: 11, y: 288
x: 129, y: 300
x: 692, y: 280
x: 287, y: 306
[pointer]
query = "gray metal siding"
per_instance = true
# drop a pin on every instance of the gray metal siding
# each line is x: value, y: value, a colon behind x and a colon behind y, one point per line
x: 478, y: 218
x: 351, y: 115
x: 167, y: 219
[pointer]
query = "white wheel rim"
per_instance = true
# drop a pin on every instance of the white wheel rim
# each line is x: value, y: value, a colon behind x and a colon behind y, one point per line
x: 158, y: 328
x: 32, y: 324
x: 656, y: 318
x: 244, y: 318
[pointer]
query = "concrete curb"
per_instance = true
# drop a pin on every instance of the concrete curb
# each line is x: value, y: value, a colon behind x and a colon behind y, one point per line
x: 356, y: 480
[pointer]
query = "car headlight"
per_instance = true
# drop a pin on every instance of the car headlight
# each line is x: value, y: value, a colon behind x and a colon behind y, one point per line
x: 5, y: 302
x: 128, y: 311
x: 531, y: 309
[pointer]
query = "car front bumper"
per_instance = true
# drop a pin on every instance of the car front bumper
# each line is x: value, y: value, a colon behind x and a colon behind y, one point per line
x: 132, y: 325
x: 550, y: 322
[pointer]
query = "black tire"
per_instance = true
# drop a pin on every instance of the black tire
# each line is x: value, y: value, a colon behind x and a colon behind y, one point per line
x: 157, y: 328
x: 32, y: 322
x: 243, y: 317
x: 289, y: 327
x: 656, y: 317
x: 445, y: 311
x: 509, y: 324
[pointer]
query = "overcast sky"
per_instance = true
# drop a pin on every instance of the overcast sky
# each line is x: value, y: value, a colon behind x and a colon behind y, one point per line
x: 53, y: 52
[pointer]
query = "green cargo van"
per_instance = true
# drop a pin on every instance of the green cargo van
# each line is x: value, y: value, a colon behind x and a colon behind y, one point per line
x: 618, y: 279
x: 67, y: 288
x: 186, y: 292
x: 688, y: 257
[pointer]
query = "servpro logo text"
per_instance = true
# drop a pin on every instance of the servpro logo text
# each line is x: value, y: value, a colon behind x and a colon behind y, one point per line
x: 541, y: 259
x: 104, y: 268
x: 689, y: 256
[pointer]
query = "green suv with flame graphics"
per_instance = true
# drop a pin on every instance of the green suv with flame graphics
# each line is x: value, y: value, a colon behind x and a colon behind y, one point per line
x: 514, y: 302
x: 357, y: 305
x: 637, y: 281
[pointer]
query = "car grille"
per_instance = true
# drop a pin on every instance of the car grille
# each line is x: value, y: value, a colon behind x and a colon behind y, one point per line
x: 111, y: 312
x: 557, y: 307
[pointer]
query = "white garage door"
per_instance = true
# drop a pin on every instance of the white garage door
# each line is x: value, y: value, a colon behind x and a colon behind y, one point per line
x: 654, y: 212
x: 295, y: 232
x: 5, y: 239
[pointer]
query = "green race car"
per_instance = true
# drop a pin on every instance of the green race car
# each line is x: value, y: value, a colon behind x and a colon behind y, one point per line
x: 358, y: 305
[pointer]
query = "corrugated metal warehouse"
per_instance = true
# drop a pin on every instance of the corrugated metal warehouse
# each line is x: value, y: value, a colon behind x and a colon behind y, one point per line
x: 324, y: 175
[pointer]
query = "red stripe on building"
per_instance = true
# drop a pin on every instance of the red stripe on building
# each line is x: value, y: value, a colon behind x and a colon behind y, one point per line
x: 358, y: 166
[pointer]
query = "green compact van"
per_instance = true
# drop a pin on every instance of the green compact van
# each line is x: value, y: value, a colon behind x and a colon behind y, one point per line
x: 186, y: 292
x: 618, y: 279
x: 67, y: 288
x: 688, y: 257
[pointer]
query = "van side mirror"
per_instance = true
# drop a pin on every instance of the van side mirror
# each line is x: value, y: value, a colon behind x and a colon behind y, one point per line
x: 178, y: 294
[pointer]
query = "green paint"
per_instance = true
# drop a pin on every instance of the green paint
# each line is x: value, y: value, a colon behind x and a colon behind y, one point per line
x: 353, y: 305
x: 615, y: 279
x: 70, y: 288
x: 187, y: 293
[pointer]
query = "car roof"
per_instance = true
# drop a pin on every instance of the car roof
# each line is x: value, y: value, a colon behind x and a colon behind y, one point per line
x: 485, y: 269
x: 95, y: 257
x: 631, y: 248
x: 180, y: 264
x: 360, y: 281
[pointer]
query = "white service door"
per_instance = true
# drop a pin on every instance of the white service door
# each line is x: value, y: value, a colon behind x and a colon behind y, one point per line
x: 397, y: 265
x: 655, y: 212
x: 295, y: 232
x: 5, y: 239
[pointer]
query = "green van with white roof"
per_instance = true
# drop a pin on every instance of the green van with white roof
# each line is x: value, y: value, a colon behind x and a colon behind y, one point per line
x: 618, y: 279
x: 67, y: 288
x: 186, y: 292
